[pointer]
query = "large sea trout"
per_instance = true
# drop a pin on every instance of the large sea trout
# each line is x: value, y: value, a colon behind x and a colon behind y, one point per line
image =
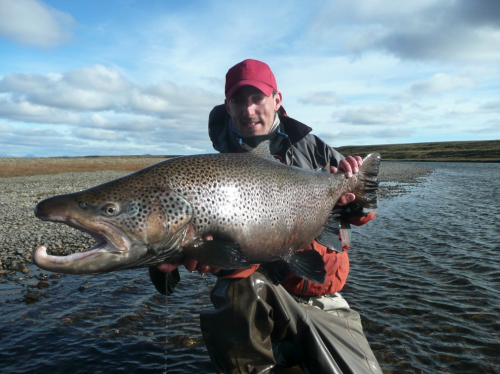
x: 258, y: 211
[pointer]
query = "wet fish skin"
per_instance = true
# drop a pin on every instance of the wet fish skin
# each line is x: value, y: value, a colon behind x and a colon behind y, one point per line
x: 257, y: 209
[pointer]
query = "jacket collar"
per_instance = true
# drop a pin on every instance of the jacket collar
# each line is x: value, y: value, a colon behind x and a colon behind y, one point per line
x: 225, y: 141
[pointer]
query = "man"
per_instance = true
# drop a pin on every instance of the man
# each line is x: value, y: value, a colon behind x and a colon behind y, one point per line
x: 257, y: 326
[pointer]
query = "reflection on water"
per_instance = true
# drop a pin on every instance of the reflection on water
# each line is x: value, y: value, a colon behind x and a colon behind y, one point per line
x: 425, y: 276
x: 111, y: 323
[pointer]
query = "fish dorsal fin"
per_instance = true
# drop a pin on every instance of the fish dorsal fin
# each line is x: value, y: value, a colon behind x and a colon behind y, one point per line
x: 263, y: 150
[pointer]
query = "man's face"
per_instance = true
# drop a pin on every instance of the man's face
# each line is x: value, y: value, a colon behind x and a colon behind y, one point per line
x: 252, y: 111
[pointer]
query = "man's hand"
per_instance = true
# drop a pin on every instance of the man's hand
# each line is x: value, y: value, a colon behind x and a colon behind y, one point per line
x: 189, y: 263
x: 350, y: 165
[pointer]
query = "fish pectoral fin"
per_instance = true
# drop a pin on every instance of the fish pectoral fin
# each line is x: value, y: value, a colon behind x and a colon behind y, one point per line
x: 221, y: 254
x: 308, y: 265
x: 276, y: 271
x: 164, y: 282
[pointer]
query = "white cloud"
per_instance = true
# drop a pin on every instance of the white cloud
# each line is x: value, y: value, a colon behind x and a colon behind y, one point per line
x: 123, y: 122
x: 90, y: 141
x: 435, y: 85
x: 169, y: 100
x: 492, y: 129
x: 51, y: 98
x: 22, y: 110
x: 419, y: 30
x: 102, y: 107
x: 393, y: 132
x: 372, y: 115
x: 334, y: 136
x: 355, y: 134
x: 492, y: 106
x: 34, y: 23
x: 91, y: 88
x: 22, y: 141
x: 24, y: 83
x: 52, y: 144
x: 5, y: 128
x: 97, y: 78
x: 462, y: 111
x: 37, y: 132
x: 327, y: 98
x: 96, y: 134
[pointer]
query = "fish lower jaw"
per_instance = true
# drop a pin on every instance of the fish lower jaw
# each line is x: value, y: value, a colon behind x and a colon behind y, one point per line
x: 102, y: 233
x: 50, y: 262
x: 43, y: 259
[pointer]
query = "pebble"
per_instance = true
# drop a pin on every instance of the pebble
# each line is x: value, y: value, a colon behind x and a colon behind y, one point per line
x: 21, y: 232
x: 42, y: 284
x: 34, y: 297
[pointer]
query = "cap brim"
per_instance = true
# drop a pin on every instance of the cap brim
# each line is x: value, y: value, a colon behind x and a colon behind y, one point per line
x: 265, y: 88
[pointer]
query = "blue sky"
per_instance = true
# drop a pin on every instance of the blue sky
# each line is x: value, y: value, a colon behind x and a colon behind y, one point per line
x: 140, y: 77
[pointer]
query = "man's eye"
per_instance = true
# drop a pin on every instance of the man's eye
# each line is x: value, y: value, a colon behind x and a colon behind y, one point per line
x: 259, y: 99
x: 237, y: 101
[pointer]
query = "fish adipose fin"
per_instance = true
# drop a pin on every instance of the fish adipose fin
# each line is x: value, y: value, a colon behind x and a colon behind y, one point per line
x: 308, y: 265
x: 164, y: 282
x: 366, y: 193
x: 219, y: 254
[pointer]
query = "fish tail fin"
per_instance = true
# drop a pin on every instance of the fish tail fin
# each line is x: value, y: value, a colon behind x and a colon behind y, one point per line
x: 366, y: 192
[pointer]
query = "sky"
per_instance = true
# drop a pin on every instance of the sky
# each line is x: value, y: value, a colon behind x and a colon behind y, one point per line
x: 126, y: 77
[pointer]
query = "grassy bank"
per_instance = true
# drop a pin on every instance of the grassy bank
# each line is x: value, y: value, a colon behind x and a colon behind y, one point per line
x: 473, y: 151
x: 18, y: 167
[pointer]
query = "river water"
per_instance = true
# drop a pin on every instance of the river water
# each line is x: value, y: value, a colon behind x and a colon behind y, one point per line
x: 425, y: 277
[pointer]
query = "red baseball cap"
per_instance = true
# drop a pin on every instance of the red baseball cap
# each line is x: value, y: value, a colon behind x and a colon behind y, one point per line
x: 250, y: 73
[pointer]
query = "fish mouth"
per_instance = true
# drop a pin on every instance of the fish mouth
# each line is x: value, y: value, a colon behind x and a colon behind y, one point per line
x: 108, y: 238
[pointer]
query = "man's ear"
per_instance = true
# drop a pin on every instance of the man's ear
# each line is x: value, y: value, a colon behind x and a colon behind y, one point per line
x: 226, y: 103
x: 278, y: 98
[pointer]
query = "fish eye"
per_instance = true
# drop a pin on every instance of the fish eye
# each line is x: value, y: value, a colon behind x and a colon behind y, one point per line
x: 83, y: 204
x: 110, y: 210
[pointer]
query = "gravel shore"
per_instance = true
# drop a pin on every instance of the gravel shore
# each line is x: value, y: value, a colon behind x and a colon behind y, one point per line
x: 21, y: 232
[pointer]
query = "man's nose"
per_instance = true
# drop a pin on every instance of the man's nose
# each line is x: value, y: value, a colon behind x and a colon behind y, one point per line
x: 250, y: 109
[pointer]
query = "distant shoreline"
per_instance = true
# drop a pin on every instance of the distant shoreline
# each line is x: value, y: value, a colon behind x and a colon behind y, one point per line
x: 463, y: 151
x: 466, y: 151
x: 478, y: 161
